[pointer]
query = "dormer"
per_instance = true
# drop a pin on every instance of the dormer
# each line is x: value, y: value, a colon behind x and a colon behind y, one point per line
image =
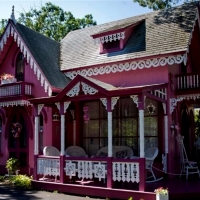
x: 114, y: 38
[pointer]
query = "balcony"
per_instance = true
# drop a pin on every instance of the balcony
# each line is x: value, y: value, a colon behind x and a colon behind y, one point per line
x: 188, y: 81
x: 16, y: 89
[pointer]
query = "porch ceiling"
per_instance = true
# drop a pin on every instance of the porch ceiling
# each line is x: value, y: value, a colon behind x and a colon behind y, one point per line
x: 84, y: 88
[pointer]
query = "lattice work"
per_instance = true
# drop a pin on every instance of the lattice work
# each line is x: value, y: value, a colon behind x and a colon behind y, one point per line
x: 125, y: 171
x: 48, y: 167
x: 99, y: 171
x: 70, y: 169
x: 85, y: 169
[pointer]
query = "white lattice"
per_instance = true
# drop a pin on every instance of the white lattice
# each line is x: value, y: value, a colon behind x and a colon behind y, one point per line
x: 70, y: 169
x: 88, y: 89
x: 85, y: 169
x: 74, y: 91
x: 58, y: 105
x: 66, y: 105
x: 48, y: 167
x: 104, y: 102
x: 99, y: 171
x: 141, y: 64
x: 125, y: 171
x: 110, y: 38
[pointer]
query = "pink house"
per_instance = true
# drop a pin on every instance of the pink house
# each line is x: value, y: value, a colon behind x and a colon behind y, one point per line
x: 99, y: 100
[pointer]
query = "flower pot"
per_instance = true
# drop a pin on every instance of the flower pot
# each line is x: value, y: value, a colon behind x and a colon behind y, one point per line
x: 162, y: 196
x: 6, y: 81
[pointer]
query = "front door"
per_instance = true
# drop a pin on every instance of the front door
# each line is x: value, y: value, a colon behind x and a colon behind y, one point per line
x: 18, y: 141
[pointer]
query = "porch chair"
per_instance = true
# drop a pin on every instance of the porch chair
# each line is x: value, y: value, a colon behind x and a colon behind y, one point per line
x: 186, y: 165
x: 50, y: 151
x: 150, y: 155
x: 75, y: 151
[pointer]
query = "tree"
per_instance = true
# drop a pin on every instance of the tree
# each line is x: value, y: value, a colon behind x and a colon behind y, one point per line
x: 159, y: 4
x: 3, y: 23
x: 52, y: 21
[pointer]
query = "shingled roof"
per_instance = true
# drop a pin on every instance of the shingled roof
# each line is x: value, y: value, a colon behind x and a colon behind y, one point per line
x: 46, y: 53
x: 160, y: 32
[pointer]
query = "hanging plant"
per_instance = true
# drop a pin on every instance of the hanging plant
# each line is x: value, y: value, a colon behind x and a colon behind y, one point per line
x: 16, y: 129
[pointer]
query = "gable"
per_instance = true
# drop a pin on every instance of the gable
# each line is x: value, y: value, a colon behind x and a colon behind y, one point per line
x: 40, y: 52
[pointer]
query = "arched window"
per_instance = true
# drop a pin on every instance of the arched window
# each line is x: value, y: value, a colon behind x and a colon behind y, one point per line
x: 20, y: 67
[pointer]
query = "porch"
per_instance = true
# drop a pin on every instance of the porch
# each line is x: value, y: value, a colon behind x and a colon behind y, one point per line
x: 110, y: 182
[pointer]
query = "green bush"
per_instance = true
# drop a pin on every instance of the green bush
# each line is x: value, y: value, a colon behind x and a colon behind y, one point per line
x: 2, y: 178
x: 12, y: 164
x: 22, y: 181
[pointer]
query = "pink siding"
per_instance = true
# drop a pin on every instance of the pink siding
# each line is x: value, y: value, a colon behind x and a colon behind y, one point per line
x: 136, y: 77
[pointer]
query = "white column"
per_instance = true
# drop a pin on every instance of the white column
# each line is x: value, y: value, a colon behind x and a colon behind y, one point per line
x: 62, y: 134
x: 109, y: 134
x: 74, y: 132
x: 141, y: 132
x: 166, y: 133
x: 36, y: 142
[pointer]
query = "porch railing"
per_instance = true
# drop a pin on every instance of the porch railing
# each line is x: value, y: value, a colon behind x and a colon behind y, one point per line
x: 15, y: 89
x: 187, y: 81
x: 125, y: 170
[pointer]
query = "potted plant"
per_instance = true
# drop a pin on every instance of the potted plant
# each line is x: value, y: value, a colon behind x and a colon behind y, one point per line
x: 162, y: 194
x: 12, y: 165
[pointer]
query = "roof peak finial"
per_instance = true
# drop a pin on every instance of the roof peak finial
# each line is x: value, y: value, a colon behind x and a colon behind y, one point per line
x: 12, y: 17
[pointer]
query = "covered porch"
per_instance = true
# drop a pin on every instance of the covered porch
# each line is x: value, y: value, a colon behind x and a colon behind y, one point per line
x: 106, y: 176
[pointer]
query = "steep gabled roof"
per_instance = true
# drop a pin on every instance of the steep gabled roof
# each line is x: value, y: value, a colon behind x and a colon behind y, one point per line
x: 161, y: 32
x: 46, y: 53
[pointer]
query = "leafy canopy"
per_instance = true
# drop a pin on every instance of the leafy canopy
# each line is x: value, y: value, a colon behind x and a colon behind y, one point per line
x: 52, y: 21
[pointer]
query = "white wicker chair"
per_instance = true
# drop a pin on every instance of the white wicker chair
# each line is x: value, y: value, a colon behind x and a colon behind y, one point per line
x: 75, y: 151
x: 150, y: 155
x: 51, y: 151
x: 186, y: 165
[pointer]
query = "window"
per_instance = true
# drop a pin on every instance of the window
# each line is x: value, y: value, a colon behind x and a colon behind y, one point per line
x: 114, y: 45
x: 20, y: 67
x: 125, y: 126
x: 41, y: 134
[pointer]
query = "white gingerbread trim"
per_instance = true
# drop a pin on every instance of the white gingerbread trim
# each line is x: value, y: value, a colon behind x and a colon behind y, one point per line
x: 104, y: 102
x: 110, y: 38
x: 113, y: 102
x: 40, y: 106
x: 173, y: 103
x: 10, y: 31
x: 66, y: 105
x: 74, y: 91
x: 58, y: 105
x: 135, y: 99
x: 15, y: 103
x: 189, y: 96
x: 141, y: 64
x: 88, y: 89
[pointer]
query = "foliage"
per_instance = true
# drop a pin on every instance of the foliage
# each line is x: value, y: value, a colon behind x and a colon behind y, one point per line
x: 3, y: 23
x: 161, y: 190
x: 5, y: 76
x: 52, y: 21
x: 197, y: 123
x: 22, y: 181
x: 12, y: 164
x: 2, y: 178
x: 159, y: 4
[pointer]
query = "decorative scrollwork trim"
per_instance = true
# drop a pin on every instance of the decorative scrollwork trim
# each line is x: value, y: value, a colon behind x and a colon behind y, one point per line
x: 173, y: 103
x: 74, y: 91
x: 141, y: 64
x: 88, y: 89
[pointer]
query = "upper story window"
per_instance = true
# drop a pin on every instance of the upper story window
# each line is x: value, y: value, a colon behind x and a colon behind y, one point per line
x: 20, y: 67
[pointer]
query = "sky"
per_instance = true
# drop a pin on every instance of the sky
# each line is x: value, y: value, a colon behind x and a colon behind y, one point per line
x: 103, y: 11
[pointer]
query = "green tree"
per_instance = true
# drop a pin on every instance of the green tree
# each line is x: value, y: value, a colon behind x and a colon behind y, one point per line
x: 159, y: 4
x: 3, y: 23
x: 52, y: 21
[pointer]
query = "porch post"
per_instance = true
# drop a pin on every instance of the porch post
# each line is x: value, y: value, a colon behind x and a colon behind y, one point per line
x: 62, y: 134
x: 164, y: 156
x: 37, y: 110
x: 109, y: 127
x: 142, y: 184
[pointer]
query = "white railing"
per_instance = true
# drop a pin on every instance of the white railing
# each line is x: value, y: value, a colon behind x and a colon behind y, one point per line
x: 15, y: 89
x: 85, y: 169
x: 49, y: 166
x: 125, y: 171
x: 187, y: 81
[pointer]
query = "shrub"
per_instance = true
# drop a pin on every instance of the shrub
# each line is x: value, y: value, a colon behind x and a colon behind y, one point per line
x: 12, y: 164
x: 2, y: 178
x: 22, y: 181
